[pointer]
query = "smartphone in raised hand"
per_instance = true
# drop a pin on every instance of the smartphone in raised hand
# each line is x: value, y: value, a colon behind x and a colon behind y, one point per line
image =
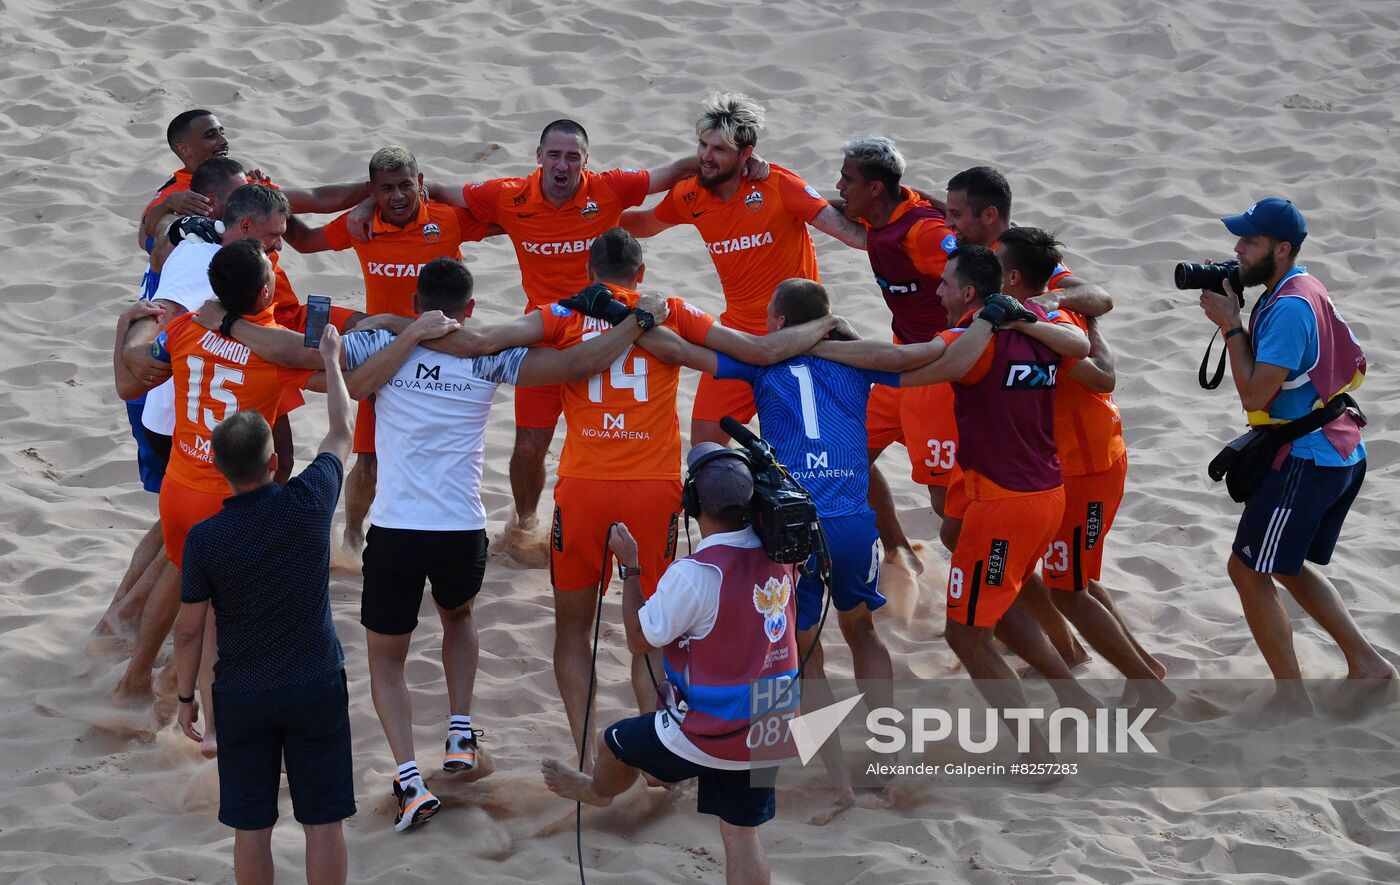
x: 318, y: 313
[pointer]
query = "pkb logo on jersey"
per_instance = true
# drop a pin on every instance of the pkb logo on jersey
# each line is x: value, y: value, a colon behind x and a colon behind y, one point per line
x: 771, y: 601
x: 949, y: 243
x: 431, y: 232
x: 754, y: 201
x: 559, y: 310
x: 589, y: 211
x: 1030, y: 376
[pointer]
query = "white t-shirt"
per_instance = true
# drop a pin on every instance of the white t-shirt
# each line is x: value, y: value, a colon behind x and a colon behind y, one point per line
x: 184, y: 280
x: 430, y: 433
x: 686, y: 604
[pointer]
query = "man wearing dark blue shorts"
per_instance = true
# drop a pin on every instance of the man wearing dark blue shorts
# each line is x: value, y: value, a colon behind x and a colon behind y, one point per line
x: 724, y: 618
x: 1296, y: 356
x: 279, y: 683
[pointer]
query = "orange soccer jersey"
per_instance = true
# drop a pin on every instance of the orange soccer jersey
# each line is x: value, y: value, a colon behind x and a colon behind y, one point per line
x: 177, y: 182
x: 622, y: 423
x: 215, y: 377
x: 1088, y: 428
x: 392, y: 259
x: 551, y: 242
x: 756, y: 239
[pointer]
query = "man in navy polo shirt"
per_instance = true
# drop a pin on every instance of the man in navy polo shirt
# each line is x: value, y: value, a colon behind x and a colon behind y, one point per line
x: 279, y: 683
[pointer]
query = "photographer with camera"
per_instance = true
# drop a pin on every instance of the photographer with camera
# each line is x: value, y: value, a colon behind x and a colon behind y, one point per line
x: 725, y: 618
x: 1293, y: 366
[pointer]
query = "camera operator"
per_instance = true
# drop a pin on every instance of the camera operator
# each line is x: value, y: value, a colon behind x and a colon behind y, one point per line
x: 725, y: 616
x: 1296, y: 357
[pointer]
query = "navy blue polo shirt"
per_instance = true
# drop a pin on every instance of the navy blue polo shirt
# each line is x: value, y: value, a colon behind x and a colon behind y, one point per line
x: 264, y: 562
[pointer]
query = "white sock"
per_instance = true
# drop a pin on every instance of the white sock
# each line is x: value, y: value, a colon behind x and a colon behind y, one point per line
x: 408, y: 771
x: 459, y: 725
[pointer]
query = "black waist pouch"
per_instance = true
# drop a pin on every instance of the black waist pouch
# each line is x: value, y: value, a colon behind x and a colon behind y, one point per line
x: 1247, y: 459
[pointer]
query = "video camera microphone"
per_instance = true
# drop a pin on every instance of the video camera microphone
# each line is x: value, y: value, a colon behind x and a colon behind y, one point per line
x: 782, y: 512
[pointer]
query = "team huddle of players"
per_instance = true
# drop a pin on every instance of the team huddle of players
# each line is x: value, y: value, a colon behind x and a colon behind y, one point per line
x: 1006, y: 414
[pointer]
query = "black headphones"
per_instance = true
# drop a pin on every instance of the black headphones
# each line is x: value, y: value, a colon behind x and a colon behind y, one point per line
x: 690, y: 495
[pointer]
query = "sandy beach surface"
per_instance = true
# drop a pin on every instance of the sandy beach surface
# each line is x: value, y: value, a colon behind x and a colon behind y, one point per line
x: 1127, y: 127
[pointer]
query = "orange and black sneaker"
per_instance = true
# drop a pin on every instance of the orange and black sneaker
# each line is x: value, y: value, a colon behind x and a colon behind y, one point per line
x: 461, y: 751
x: 416, y: 804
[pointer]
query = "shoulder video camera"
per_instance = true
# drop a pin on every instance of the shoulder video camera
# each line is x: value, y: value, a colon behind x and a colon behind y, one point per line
x: 783, y: 514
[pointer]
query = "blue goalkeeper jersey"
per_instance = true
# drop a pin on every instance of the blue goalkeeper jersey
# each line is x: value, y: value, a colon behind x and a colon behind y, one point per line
x: 812, y: 412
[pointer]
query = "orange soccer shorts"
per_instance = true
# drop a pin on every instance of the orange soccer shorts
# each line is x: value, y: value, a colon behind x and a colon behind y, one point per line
x: 584, y: 511
x: 180, y: 508
x: 882, y: 424
x: 1075, y: 555
x: 1000, y: 546
x: 716, y: 398
x: 955, y: 505
x: 921, y: 418
x: 539, y: 407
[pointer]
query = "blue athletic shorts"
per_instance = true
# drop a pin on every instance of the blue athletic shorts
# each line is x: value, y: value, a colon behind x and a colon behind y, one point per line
x: 308, y: 726
x: 1296, y: 514
x: 729, y: 795
x: 855, y: 569
x: 149, y: 460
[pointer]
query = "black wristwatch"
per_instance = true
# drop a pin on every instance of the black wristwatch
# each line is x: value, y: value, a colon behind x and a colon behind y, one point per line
x: 629, y: 571
x: 184, y: 700
x: 1238, y: 330
x: 226, y: 325
x: 644, y: 318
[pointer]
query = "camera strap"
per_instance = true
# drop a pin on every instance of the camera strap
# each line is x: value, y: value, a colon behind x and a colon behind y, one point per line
x: 1214, y: 380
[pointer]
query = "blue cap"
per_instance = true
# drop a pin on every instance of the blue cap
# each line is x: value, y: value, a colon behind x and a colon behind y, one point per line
x: 1274, y: 217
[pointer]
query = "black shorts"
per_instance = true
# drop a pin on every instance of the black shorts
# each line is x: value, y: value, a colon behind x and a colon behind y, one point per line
x: 309, y: 726
x: 398, y: 562
x: 729, y: 795
x: 1296, y: 514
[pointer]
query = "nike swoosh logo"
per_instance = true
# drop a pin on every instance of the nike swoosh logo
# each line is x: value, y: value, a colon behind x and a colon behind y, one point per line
x: 615, y: 740
x: 697, y: 214
x: 525, y: 214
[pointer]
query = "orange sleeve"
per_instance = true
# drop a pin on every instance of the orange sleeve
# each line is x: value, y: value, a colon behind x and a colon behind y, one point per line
x: 667, y: 211
x: 470, y: 229
x: 925, y: 243
x: 691, y: 323
x: 630, y: 185
x: 1069, y: 318
x: 799, y: 197
x: 557, y: 326
x: 482, y: 199
x: 980, y: 368
x: 338, y: 233
x: 1058, y: 276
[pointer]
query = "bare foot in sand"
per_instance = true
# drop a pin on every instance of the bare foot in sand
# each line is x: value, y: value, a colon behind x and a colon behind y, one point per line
x: 906, y: 557
x: 133, y: 692
x: 844, y: 798
x: 522, y: 542
x: 570, y: 783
